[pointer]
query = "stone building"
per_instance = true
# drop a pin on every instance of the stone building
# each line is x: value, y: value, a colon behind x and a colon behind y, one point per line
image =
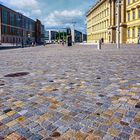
x: 102, y: 21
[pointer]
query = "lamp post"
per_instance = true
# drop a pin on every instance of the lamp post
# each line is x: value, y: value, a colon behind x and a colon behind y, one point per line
x: 118, y: 23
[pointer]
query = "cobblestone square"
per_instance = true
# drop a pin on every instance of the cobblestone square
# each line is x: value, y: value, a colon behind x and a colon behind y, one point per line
x: 70, y: 93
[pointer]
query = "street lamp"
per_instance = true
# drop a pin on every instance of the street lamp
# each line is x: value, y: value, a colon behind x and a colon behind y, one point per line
x: 118, y: 23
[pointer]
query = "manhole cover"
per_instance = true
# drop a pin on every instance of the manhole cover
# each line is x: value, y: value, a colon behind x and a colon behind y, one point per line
x: 17, y: 74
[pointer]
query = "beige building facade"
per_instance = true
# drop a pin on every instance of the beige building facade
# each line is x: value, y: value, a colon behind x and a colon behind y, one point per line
x: 102, y: 21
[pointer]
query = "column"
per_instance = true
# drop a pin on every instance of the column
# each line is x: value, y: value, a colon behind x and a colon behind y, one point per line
x: 123, y: 11
x: 113, y: 12
x: 137, y: 12
x: 123, y: 27
x: 110, y: 12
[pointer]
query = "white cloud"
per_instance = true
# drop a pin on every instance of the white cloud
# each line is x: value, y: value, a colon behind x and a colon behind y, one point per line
x: 61, y: 18
x: 22, y: 4
x: 36, y: 12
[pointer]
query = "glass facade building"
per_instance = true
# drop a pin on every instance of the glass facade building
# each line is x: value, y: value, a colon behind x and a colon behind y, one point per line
x: 15, y: 27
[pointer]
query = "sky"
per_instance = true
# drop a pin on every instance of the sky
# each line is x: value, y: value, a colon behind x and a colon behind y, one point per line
x: 54, y: 13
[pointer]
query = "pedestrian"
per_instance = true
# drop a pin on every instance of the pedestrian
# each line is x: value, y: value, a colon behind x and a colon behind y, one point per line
x: 102, y: 40
x: 138, y: 38
x: 22, y: 43
x: 32, y: 44
x: 44, y: 43
x: 63, y: 42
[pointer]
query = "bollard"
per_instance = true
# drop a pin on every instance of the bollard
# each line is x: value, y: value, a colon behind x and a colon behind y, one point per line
x: 99, y: 45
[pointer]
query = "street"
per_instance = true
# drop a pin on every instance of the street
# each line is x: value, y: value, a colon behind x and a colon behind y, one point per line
x: 79, y: 92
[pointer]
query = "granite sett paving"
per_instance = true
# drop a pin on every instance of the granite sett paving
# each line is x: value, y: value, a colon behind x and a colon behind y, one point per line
x: 70, y: 93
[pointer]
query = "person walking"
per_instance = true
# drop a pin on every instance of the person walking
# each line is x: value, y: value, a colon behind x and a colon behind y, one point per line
x: 22, y: 43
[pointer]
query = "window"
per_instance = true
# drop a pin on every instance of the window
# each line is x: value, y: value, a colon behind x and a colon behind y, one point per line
x: 4, y: 29
x: 139, y: 13
x: 133, y: 14
x: 4, y: 16
x: 133, y: 33
x: 11, y: 19
x: 128, y: 33
x: 12, y: 30
x: 139, y: 31
x: 128, y: 16
x: 18, y: 20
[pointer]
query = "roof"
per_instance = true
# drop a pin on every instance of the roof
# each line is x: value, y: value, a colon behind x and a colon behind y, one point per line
x: 94, y: 6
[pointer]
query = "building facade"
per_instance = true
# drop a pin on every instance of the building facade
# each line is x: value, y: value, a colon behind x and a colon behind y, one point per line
x: 133, y: 20
x: 51, y: 36
x: 16, y: 28
x: 77, y: 36
x: 39, y: 32
x: 102, y: 21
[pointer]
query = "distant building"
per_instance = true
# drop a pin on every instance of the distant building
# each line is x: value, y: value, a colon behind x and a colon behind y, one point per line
x: 84, y: 37
x: 39, y: 32
x: 77, y: 36
x: 17, y: 28
x: 50, y: 36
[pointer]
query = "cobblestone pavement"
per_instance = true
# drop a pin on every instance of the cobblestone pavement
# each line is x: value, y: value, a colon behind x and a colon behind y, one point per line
x: 76, y: 93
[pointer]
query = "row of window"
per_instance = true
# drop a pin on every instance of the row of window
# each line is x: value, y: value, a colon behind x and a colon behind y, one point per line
x: 133, y: 15
x: 133, y: 33
x: 99, y: 16
x: 14, y: 31
x: 98, y: 36
x: 131, y: 1
x: 101, y: 25
x: 17, y: 20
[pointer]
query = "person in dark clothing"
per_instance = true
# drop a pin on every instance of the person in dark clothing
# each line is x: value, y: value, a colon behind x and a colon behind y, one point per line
x: 22, y: 44
x: 102, y: 40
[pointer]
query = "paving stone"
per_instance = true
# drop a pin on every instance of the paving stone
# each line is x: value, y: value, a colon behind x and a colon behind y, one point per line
x: 125, y: 136
x: 24, y: 132
x: 51, y: 128
x: 79, y: 92
x: 136, y: 132
x: 63, y: 129
x: 36, y: 137
x: 108, y: 137
x: 76, y: 127
x: 37, y: 129
x: 14, y: 136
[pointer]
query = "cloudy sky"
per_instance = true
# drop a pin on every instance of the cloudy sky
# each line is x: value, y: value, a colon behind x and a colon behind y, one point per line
x: 54, y: 13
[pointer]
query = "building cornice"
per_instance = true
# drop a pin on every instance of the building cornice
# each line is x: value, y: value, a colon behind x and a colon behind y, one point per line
x: 95, y: 6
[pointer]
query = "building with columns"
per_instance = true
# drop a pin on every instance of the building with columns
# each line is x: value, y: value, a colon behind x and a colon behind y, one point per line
x: 102, y: 21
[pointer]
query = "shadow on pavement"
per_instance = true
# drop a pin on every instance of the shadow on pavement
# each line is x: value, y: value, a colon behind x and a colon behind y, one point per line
x: 9, y: 47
